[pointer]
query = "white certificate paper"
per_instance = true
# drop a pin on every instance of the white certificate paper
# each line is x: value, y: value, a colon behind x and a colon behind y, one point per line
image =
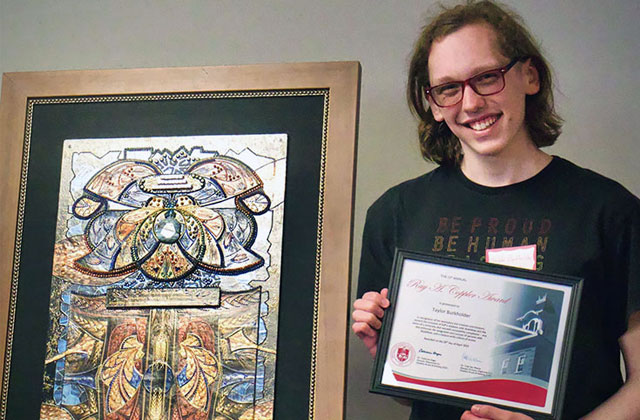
x: 476, y: 335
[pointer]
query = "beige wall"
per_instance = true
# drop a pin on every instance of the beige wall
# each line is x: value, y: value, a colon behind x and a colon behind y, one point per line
x: 593, y: 47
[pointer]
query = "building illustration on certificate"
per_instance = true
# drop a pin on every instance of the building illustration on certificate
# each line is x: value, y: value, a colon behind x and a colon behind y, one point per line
x: 166, y: 274
x: 526, y: 345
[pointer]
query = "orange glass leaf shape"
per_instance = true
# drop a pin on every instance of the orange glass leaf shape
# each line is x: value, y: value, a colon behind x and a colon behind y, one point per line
x: 167, y: 263
x: 210, y: 218
x: 200, y: 371
x: 211, y: 257
x: 111, y: 181
x: 52, y: 412
x: 119, y: 375
x: 85, y: 207
x: 130, y: 221
x: 257, y: 203
x: 234, y: 176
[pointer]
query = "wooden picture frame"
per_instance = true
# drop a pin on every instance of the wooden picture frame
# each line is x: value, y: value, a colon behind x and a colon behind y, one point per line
x: 316, y: 307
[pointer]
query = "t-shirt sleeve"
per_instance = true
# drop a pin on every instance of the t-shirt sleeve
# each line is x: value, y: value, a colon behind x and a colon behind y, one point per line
x: 626, y: 258
x: 633, y: 255
x: 378, y: 245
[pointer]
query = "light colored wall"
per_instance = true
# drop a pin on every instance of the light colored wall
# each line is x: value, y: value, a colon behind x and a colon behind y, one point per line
x: 592, y: 45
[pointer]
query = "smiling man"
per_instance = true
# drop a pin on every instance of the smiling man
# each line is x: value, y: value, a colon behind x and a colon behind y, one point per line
x: 483, y: 95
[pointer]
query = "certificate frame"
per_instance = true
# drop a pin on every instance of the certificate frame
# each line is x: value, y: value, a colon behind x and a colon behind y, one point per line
x: 401, y: 363
x: 336, y: 85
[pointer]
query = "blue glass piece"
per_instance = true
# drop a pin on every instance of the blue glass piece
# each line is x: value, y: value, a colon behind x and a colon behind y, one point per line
x: 262, y: 331
x: 186, y: 240
x: 57, y: 394
x: 58, y: 381
x: 136, y: 378
x: 137, y: 280
x: 148, y: 244
x: 103, y: 256
x: 260, y: 379
x: 102, y: 225
x: 182, y: 377
x: 64, y: 308
x: 75, y: 229
x: 61, y: 347
x: 62, y: 344
x: 87, y: 379
x: 238, y: 223
x: 231, y: 378
x: 158, y: 376
x: 243, y: 392
x: 210, y: 194
x: 134, y: 196
x: 85, y: 290
x: 73, y: 394
x: 201, y: 278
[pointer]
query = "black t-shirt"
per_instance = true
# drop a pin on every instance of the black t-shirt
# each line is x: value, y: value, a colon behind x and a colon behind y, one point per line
x: 583, y: 224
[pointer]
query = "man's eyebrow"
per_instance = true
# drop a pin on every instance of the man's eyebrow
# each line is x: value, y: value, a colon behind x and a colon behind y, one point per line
x: 474, y: 72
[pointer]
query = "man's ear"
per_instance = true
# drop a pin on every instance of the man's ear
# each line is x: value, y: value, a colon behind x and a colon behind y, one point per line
x: 435, y: 110
x: 531, y: 77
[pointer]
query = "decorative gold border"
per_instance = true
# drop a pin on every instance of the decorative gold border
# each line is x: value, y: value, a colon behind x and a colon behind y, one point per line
x: 338, y: 82
x: 316, y: 292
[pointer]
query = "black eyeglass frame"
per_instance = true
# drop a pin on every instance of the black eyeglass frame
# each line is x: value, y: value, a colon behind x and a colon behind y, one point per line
x: 502, y: 70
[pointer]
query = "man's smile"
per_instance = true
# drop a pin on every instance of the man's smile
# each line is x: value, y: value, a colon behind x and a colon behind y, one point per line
x: 483, y: 123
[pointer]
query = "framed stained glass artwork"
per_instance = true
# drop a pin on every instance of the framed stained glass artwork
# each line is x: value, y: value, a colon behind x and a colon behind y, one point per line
x: 176, y: 242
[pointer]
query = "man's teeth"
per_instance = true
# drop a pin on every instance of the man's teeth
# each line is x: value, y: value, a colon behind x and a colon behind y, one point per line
x: 482, y: 124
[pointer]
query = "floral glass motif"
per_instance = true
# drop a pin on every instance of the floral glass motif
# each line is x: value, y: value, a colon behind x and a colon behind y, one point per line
x: 181, y: 216
x: 173, y: 229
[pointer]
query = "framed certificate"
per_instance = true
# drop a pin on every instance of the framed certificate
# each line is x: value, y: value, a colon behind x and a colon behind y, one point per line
x: 460, y: 332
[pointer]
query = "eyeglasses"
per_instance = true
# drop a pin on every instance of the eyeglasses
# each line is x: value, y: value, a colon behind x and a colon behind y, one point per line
x: 486, y: 83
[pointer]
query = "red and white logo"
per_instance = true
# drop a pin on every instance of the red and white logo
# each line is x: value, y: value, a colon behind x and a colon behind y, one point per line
x: 402, y: 354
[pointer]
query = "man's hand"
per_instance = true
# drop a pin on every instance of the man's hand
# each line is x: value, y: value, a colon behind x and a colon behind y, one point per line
x: 367, y: 317
x: 484, y: 412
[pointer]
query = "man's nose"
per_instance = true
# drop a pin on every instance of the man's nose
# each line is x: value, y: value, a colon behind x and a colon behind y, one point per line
x: 471, y: 101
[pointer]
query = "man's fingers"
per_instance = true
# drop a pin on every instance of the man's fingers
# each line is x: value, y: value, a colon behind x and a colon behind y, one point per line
x: 367, y: 317
x: 367, y: 314
x: 362, y: 330
x: 379, y: 299
x: 489, y: 412
x: 494, y: 413
x: 369, y: 306
x: 467, y: 415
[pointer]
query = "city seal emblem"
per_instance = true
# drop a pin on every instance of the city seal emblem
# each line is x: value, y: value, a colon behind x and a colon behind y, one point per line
x: 402, y: 354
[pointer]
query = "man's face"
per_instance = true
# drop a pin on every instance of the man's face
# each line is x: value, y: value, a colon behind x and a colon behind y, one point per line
x: 486, y: 125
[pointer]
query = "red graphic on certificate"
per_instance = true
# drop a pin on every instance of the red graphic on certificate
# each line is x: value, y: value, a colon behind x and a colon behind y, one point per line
x: 509, y: 390
x: 402, y: 354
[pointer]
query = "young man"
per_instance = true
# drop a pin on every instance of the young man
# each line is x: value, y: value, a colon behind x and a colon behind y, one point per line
x: 483, y: 94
